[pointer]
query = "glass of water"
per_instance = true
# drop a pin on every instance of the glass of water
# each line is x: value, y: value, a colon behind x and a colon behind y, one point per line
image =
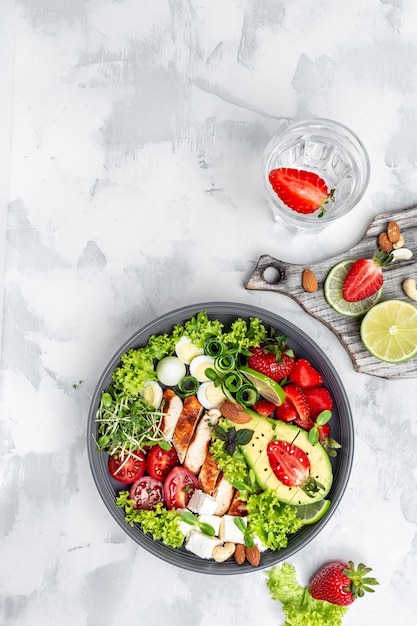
x: 330, y: 150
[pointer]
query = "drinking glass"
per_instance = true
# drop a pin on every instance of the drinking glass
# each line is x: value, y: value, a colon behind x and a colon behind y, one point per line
x: 332, y: 151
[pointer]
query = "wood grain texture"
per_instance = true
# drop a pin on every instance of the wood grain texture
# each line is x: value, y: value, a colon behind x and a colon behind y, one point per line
x: 271, y: 274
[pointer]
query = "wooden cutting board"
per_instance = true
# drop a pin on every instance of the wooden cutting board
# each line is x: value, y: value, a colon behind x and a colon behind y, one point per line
x: 271, y: 274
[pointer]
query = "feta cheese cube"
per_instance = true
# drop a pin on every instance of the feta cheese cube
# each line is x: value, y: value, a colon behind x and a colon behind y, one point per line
x: 229, y: 531
x: 202, y: 545
x: 213, y: 520
x: 202, y: 503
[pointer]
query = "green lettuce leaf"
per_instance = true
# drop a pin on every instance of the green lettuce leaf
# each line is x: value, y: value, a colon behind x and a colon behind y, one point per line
x: 271, y: 520
x: 161, y: 523
x: 299, y: 608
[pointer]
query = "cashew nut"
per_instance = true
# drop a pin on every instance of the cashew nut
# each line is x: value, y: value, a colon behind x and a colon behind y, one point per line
x: 224, y: 552
x: 410, y: 288
x: 399, y: 244
x: 402, y: 254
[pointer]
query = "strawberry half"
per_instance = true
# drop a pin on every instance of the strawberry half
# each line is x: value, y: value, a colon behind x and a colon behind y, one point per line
x: 302, y: 191
x: 305, y: 375
x: 296, y: 397
x: 365, y: 277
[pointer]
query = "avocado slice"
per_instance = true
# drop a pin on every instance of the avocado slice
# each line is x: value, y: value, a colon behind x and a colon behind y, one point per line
x: 266, y: 430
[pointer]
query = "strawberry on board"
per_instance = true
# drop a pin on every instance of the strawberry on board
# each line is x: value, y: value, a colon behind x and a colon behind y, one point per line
x: 365, y: 277
x: 341, y: 583
x: 305, y: 375
x: 302, y: 191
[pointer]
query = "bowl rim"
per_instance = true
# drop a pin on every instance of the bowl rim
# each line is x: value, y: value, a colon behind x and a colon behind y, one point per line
x: 180, y: 557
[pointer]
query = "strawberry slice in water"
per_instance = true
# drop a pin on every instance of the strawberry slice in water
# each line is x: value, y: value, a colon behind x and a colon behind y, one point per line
x: 300, y: 190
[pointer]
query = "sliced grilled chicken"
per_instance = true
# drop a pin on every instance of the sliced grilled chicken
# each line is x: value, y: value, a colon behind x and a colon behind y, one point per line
x: 209, y: 474
x: 198, y: 448
x: 187, y: 422
x: 237, y: 506
x: 223, y: 495
x: 172, y: 410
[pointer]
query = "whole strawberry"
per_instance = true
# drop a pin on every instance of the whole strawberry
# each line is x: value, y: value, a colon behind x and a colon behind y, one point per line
x: 341, y: 583
x: 273, y: 358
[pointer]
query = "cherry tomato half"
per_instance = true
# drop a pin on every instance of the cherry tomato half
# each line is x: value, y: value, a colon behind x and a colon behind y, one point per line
x: 160, y: 462
x: 147, y: 492
x: 127, y: 469
x: 179, y: 486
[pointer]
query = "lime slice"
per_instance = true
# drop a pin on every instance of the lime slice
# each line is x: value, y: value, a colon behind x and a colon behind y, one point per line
x: 268, y: 388
x: 311, y: 513
x: 333, y: 292
x: 389, y: 331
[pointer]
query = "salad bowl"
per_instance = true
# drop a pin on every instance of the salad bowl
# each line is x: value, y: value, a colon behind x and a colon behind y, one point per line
x: 341, y: 421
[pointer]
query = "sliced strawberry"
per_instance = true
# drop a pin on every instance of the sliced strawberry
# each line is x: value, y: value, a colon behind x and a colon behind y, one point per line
x: 305, y: 375
x: 365, y: 277
x: 296, y: 396
x: 286, y: 412
x: 272, y: 359
x: 319, y: 399
x: 264, y: 407
x: 289, y: 463
x: 302, y: 191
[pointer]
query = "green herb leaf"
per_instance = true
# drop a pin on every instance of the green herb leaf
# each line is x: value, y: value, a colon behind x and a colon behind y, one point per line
x: 323, y: 418
x: 220, y: 432
x: 189, y: 518
x: 243, y: 436
x: 207, y: 529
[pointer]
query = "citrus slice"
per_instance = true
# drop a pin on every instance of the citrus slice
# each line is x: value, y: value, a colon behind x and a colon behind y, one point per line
x: 312, y: 513
x: 268, y: 388
x: 389, y: 331
x: 333, y: 292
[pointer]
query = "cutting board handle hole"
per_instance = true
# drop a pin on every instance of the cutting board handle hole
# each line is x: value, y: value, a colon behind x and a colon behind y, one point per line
x: 272, y: 274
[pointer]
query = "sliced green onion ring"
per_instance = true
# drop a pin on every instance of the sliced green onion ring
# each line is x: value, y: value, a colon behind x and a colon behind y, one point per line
x: 225, y: 363
x: 214, y: 347
x: 187, y: 386
x: 247, y: 395
x: 232, y: 382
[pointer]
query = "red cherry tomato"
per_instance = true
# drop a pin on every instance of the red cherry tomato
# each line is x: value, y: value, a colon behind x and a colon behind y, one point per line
x: 160, y: 462
x: 127, y: 469
x: 147, y: 492
x: 179, y: 486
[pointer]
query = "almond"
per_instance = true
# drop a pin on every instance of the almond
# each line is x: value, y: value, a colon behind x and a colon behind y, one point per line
x: 240, y: 555
x: 309, y: 281
x: 253, y: 555
x: 393, y: 232
x: 384, y: 243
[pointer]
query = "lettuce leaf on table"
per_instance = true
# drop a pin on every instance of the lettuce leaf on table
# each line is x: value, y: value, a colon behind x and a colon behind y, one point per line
x: 300, y: 609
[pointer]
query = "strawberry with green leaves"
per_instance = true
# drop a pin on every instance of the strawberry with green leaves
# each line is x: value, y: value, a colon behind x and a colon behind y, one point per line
x: 273, y: 358
x: 341, y: 583
x: 365, y: 278
x: 300, y: 190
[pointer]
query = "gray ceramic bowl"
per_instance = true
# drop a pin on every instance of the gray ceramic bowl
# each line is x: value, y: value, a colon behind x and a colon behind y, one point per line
x: 342, y: 431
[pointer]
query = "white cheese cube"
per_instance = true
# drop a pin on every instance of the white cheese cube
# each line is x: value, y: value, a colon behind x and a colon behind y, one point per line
x: 202, y: 503
x: 229, y: 531
x: 202, y: 545
x: 260, y: 545
x: 213, y: 520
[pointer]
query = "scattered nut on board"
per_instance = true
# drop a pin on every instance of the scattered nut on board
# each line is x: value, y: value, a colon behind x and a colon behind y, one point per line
x: 309, y: 281
x: 410, y: 289
x: 399, y: 244
x: 384, y: 243
x: 393, y: 232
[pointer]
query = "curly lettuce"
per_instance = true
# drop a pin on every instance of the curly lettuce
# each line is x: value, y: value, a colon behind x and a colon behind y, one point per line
x: 243, y: 336
x: 271, y: 520
x: 300, y: 609
x: 161, y: 523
